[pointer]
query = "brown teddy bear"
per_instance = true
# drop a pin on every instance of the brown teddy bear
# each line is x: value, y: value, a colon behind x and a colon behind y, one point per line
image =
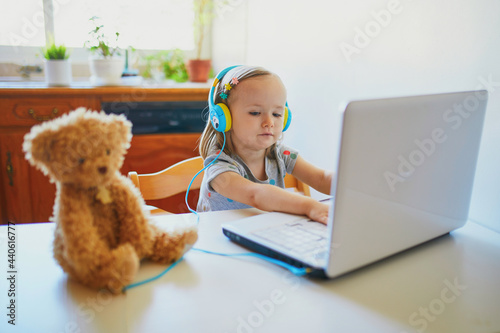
x: 102, y: 230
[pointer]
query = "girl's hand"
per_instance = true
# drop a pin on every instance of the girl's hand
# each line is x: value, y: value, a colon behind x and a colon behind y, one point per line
x: 268, y: 197
x: 318, y: 212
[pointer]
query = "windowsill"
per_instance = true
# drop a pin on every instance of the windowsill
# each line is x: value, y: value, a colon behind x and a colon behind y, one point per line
x: 37, y: 82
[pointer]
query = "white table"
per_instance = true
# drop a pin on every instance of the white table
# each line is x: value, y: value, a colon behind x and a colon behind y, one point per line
x: 451, y: 284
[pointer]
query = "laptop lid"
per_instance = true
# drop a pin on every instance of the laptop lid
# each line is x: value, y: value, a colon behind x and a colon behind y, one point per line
x: 405, y: 174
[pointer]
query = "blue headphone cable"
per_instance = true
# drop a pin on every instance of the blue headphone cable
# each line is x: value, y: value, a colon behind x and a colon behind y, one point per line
x: 192, y: 180
x: 295, y: 270
x: 130, y: 286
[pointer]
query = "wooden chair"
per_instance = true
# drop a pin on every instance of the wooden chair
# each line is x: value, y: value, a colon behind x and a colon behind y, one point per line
x: 170, y: 181
x: 296, y: 185
x: 176, y: 178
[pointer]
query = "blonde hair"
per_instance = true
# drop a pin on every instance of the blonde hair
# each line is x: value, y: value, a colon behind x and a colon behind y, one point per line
x: 212, y: 140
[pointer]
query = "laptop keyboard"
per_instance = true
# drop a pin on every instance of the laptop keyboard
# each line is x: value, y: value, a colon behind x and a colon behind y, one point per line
x: 306, y: 241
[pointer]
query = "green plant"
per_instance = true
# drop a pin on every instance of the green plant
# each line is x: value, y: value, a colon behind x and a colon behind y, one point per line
x: 203, y: 16
x: 54, y: 52
x: 204, y: 13
x: 99, y: 42
x: 170, y: 62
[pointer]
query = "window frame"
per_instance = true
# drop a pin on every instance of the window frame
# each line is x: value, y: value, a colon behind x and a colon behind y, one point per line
x: 32, y: 54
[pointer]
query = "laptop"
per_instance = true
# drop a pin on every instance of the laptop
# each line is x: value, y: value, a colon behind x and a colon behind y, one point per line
x: 405, y: 174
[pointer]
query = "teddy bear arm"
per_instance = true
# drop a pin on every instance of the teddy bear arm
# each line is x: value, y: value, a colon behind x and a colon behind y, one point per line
x: 76, y: 224
x: 134, y: 224
x: 85, y: 256
x: 79, y: 235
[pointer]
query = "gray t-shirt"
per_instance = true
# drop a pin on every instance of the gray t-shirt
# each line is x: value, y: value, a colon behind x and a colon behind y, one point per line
x: 276, y: 169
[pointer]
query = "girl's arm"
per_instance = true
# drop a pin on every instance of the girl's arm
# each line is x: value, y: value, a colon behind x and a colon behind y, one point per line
x: 313, y: 176
x: 268, y: 197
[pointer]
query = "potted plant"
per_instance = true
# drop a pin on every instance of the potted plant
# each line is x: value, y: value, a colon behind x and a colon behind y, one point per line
x: 168, y: 65
x: 106, y: 66
x: 198, y: 68
x: 57, y: 65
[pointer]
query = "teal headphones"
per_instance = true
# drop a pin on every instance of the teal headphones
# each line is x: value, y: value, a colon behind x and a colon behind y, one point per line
x: 219, y: 114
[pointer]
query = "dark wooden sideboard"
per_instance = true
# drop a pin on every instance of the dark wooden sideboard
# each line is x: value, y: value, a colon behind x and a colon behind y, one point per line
x: 26, y: 195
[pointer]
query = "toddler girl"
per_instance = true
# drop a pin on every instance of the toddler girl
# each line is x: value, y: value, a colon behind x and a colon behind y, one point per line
x: 250, y: 170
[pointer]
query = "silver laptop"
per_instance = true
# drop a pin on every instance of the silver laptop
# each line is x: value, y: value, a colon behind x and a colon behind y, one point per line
x: 404, y: 176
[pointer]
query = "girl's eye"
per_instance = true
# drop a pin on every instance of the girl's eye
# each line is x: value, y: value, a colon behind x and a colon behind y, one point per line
x: 277, y: 115
x: 254, y: 113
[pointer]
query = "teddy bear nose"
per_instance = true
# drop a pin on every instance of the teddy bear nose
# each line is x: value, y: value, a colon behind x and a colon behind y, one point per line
x: 102, y: 170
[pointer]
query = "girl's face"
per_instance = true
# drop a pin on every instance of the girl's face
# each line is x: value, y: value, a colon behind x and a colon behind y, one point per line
x: 257, y: 108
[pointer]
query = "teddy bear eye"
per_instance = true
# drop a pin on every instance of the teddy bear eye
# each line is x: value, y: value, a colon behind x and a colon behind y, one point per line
x: 108, y: 151
x: 81, y: 160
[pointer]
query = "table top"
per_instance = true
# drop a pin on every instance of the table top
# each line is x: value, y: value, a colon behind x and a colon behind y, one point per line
x: 450, y: 284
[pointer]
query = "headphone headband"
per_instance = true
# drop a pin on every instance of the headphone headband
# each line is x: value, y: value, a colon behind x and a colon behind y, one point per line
x: 219, y: 114
x: 217, y: 79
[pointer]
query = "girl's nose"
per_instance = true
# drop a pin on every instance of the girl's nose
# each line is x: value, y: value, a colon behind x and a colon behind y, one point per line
x: 267, y: 121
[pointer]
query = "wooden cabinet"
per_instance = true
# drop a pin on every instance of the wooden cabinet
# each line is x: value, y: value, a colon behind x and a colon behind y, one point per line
x: 17, y: 187
x: 152, y: 153
x: 26, y: 195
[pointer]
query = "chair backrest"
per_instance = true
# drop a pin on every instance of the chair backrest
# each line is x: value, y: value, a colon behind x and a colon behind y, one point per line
x: 297, y: 185
x: 170, y: 181
x: 176, y: 178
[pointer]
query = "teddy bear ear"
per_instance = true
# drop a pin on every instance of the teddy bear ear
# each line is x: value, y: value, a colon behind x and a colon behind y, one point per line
x: 123, y: 128
x: 37, y: 146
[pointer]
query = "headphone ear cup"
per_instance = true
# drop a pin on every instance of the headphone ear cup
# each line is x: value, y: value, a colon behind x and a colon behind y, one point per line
x: 287, y: 118
x: 220, y: 117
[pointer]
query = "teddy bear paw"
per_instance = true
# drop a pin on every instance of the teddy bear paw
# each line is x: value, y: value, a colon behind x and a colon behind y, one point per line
x: 170, y: 247
x: 123, y: 268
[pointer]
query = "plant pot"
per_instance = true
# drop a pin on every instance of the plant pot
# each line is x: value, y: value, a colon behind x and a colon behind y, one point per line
x: 58, y: 72
x: 198, y: 70
x: 106, y: 71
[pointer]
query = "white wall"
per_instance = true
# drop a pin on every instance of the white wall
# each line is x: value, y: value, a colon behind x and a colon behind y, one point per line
x: 413, y: 47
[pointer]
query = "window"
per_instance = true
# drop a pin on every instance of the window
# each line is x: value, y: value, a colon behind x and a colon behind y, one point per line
x: 22, y: 23
x: 146, y: 24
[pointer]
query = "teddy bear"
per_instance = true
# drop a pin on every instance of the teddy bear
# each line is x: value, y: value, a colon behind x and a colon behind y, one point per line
x: 102, y: 228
